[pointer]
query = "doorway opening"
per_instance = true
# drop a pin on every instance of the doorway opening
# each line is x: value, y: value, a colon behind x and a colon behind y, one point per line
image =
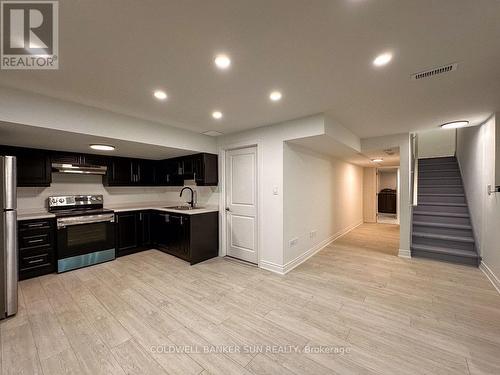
x: 387, y: 195
x: 240, y: 196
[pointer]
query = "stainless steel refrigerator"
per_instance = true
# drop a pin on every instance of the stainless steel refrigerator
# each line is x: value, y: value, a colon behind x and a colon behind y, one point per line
x: 8, y: 237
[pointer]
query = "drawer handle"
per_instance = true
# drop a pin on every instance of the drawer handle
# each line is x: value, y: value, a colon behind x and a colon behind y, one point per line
x: 36, y: 241
x: 35, y: 261
x: 36, y: 225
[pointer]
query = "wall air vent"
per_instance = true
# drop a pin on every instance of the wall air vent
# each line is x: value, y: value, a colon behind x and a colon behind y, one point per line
x: 435, y: 71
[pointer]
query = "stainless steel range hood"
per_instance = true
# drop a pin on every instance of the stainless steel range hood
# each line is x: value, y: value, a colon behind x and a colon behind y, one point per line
x: 79, y: 168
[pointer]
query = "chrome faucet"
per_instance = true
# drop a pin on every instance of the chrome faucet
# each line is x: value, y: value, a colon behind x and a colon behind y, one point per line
x: 191, y: 202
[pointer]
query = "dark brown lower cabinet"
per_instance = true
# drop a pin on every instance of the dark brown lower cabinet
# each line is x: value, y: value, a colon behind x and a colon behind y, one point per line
x: 133, y: 232
x: 387, y: 202
x: 193, y: 238
x: 36, y: 248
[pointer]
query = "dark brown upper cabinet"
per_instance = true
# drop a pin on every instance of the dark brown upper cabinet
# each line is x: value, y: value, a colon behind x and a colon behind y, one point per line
x: 168, y: 173
x: 130, y: 172
x: 203, y: 168
x: 33, y: 166
x: 79, y: 159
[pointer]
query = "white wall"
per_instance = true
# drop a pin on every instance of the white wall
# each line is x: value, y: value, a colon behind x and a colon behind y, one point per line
x: 369, y: 195
x: 320, y: 194
x: 436, y: 143
x: 20, y: 107
x: 476, y: 156
x: 269, y: 141
x: 387, y: 180
x: 36, y: 198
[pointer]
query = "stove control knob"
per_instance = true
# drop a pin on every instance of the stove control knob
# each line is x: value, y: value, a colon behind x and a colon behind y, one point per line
x: 93, y: 198
x: 61, y: 200
x: 99, y: 198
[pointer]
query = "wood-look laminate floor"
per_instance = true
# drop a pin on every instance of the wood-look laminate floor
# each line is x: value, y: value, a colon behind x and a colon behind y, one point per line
x: 389, y: 315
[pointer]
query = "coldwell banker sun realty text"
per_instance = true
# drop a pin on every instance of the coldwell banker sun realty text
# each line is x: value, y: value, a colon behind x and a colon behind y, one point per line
x: 30, y: 37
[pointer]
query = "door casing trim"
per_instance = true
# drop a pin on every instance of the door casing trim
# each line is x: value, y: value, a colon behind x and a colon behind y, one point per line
x: 223, y: 149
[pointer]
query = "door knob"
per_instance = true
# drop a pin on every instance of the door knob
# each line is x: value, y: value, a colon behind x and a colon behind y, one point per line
x: 227, y: 209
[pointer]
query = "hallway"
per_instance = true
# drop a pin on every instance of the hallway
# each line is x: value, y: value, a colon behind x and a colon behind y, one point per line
x: 382, y: 238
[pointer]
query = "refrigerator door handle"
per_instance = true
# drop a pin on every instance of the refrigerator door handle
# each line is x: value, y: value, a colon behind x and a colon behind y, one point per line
x: 8, y: 181
x: 10, y: 239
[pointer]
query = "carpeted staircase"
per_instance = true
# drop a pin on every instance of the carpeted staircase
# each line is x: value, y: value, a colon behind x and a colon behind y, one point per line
x: 441, y: 223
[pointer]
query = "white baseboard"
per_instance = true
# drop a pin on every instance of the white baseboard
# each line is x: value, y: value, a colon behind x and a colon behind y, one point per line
x: 403, y: 253
x: 270, y: 266
x: 283, y: 269
x: 490, y: 275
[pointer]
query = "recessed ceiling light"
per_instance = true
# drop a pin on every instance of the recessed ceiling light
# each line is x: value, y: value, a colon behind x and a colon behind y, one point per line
x: 102, y: 147
x: 382, y: 59
x: 222, y: 61
x: 455, y: 125
x: 160, y: 95
x: 275, y: 96
x: 377, y: 160
x: 212, y: 133
x: 217, y: 115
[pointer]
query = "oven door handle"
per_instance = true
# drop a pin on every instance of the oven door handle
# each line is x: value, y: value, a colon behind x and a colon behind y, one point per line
x: 89, y: 219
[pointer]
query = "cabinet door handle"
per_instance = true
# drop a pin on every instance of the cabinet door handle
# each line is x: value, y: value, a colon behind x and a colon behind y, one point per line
x: 36, y: 225
x: 35, y: 241
x: 140, y: 216
x: 35, y: 261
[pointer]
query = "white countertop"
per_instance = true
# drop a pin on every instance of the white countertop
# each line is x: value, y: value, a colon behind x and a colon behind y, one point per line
x: 159, y: 206
x: 33, y: 214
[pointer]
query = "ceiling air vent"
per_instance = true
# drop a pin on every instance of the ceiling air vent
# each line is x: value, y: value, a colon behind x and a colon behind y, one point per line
x: 435, y: 71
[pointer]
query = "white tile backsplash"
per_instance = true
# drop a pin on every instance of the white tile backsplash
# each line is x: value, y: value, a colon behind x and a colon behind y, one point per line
x: 66, y: 184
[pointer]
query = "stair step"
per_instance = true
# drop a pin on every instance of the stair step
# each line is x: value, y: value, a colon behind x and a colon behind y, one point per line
x: 438, y: 180
x: 439, y: 173
x: 441, y: 197
x: 445, y: 250
x: 442, y: 204
x: 426, y: 205
x: 441, y: 170
x: 441, y: 159
x: 446, y: 186
x: 440, y: 189
x: 450, y: 164
x: 446, y: 214
x: 440, y: 217
x: 442, y: 225
x: 443, y: 237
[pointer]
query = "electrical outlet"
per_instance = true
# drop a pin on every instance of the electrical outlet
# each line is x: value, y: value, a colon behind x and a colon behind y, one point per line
x: 293, y: 242
x: 313, y: 233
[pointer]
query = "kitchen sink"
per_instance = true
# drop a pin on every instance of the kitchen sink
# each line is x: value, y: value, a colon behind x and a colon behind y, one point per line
x: 182, y: 208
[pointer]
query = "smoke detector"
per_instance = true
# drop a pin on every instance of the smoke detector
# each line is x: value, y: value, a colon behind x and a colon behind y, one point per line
x: 435, y: 71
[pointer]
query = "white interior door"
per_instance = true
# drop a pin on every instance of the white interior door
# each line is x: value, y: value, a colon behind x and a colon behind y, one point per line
x: 241, y: 204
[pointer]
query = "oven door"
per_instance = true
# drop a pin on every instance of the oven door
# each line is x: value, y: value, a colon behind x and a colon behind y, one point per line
x: 80, y: 235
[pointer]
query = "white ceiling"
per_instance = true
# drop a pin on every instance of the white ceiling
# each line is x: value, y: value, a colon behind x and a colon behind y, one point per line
x: 49, y: 139
x: 114, y: 53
